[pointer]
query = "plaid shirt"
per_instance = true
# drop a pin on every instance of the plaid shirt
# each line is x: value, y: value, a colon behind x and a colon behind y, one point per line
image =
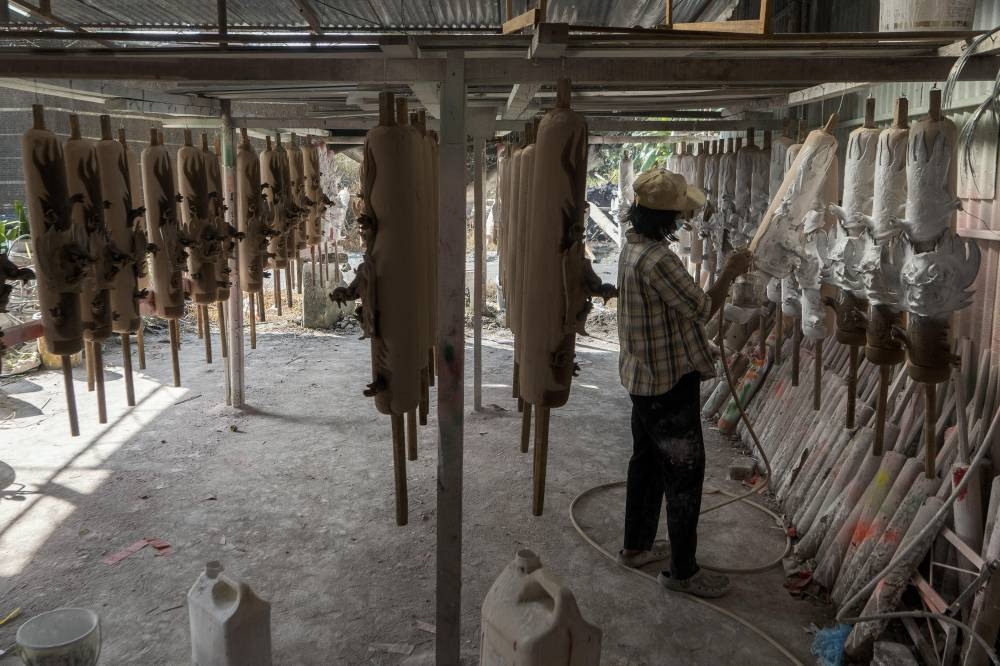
x: 661, y: 315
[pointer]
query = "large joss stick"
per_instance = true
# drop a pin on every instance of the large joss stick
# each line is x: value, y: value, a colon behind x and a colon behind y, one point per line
x: 61, y: 258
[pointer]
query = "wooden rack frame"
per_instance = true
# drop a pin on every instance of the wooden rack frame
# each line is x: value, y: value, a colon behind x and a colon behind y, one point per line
x: 528, y: 19
x: 758, y: 26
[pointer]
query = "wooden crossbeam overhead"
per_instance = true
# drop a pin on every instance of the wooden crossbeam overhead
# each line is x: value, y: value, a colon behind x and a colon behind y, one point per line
x: 286, y: 65
x: 310, y: 15
x: 429, y: 94
x: 519, y: 99
x: 44, y: 11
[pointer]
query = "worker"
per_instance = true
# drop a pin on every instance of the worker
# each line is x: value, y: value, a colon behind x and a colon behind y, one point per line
x: 665, y: 354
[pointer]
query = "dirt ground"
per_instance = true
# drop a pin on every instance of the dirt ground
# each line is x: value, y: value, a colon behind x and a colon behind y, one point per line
x: 294, y: 495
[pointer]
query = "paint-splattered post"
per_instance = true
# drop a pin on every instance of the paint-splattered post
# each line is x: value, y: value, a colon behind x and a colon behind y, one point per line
x: 451, y: 360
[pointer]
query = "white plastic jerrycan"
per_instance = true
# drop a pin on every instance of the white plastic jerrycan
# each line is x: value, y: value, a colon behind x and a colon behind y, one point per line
x: 230, y: 624
x: 531, y: 619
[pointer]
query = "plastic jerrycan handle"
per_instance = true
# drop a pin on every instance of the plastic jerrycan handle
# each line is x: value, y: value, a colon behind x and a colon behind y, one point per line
x: 540, y: 584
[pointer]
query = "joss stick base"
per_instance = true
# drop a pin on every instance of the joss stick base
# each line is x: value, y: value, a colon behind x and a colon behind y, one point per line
x: 399, y: 469
x: 541, y: 461
x: 175, y: 360
x: 102, y: 405
x: 526, y: 428
x: 411, y: 435
x: 127, y: 362
x: 74, y: 423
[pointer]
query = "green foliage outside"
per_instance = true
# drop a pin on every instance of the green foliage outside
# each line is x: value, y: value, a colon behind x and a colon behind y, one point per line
x: 605, y: 158
x: 11, y: 230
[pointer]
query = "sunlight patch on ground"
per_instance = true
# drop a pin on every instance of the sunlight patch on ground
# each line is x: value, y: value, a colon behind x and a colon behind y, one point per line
x: 53, y: 468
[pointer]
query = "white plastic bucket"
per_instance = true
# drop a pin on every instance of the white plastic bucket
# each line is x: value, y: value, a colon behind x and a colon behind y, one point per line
x: 62, y: 637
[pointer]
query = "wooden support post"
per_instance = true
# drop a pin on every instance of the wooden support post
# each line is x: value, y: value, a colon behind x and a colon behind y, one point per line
x: 175, y: 343
x: 288, y: 281
x: 399, y: 469
x: 102, y: 405
x: 479, y: 148
x: 526, y: 427
x: 140, y: 344
x: 207, y: 332
x: 127, y: 363
x: 451, y: 348
x: 201, y: 322
x: 234, y: 350
x: 411, y: 435
x: 541, y: 461
x: 67, y: 369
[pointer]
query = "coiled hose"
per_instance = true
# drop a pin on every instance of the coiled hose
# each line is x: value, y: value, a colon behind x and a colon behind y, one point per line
x: 759, y: 487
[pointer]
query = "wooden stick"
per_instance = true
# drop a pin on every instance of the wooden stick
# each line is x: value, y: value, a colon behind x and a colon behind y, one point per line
x: 174, y: 346
x: 261, y: 313
x: 127, y: 362
x: 425, y: 397
x: 203, y: 309
x: 67, y: 368
x: 312, y: 260
x: 102, y: 405
x: 411, y: 435
x: 88, y: 352
x: 852, y: 385
x: 277, y: 290
x: 930, y: 420
x: 779, y: 333
x: 140, y: 344
x: 818, y: 375
x: 324, y: 267
x: 526, y: 427
x: 399, y: 469
x: 201, y: 323
x: 431, y: 368
x: 288, y: 281
x: 223, y: 342
x: 881, y: 406
x: 541, y: 460
x: 796, y: 348
x: 961, y: 405
x: 253, y: 322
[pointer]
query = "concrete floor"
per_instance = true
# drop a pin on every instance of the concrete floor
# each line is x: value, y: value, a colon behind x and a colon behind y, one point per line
x: 294, y: 495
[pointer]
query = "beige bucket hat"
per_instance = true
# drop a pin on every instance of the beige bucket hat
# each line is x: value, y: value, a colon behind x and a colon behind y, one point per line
x: 660, y: 189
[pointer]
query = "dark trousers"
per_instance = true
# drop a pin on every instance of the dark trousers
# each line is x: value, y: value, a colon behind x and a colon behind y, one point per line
x: 668, y: 458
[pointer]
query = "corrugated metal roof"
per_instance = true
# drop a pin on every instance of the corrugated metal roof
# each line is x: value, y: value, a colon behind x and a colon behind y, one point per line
x: 371, y: 14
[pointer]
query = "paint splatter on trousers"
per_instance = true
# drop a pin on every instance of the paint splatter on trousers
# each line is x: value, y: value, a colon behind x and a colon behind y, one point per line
x: 668, y: 459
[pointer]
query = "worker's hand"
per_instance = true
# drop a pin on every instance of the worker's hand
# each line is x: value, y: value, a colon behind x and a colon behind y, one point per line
x: 739, y: 262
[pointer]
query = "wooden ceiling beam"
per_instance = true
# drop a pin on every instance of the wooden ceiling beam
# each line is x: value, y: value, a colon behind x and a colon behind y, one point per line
x: 519, y: 99
x: 259, y: 65
x: 309, y: 14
